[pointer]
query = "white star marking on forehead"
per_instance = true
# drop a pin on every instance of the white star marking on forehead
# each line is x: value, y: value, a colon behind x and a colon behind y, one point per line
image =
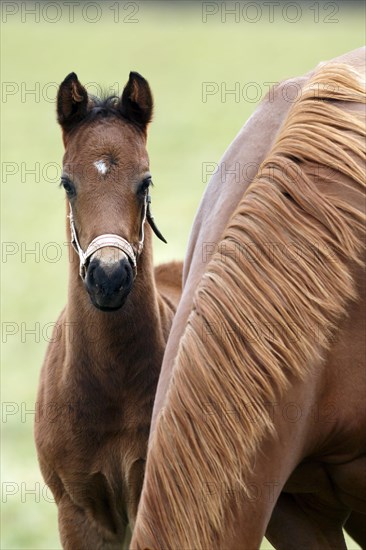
x: 101, y: 166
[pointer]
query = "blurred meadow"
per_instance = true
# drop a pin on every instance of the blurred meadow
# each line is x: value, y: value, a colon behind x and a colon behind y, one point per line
x: 183, y: 49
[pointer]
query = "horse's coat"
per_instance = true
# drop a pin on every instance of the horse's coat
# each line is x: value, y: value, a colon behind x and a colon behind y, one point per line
x: 224, y: 444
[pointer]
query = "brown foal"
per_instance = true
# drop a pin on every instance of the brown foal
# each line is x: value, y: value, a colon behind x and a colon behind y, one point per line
x: 100, y: 373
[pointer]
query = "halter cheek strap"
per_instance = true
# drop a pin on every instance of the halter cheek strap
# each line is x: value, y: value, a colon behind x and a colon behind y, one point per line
x: 107, y: 240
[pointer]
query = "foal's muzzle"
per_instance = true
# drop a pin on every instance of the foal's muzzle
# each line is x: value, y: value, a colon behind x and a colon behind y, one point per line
x: 109, y: 282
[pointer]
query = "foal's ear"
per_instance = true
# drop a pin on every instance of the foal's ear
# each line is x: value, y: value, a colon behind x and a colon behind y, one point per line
x: 137, y: 102
x: 72, y: 102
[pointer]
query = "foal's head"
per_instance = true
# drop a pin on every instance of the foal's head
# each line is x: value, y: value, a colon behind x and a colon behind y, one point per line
x: 106, y: 178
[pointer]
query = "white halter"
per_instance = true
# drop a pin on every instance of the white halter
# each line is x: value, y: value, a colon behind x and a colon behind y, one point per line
x: 108, y: 239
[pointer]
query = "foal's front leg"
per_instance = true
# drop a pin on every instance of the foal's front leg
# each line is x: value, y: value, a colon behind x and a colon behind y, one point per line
x: 135, y: 479
x: 78, y: 532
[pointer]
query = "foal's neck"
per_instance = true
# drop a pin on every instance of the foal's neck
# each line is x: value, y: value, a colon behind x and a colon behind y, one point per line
x: 121, y: 339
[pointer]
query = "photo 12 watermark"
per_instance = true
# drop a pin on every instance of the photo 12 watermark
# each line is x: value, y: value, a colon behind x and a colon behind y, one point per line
x: 240, y: 492
x: 38, y: 92
x: 248, y: 412
x: 70, y: 12
x: 270, y: 12
x: 289, y: 91
x: 284, y: 253
x: 51, y: 332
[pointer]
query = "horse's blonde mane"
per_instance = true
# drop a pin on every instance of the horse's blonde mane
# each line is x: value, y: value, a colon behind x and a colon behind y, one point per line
x: 259, y: 317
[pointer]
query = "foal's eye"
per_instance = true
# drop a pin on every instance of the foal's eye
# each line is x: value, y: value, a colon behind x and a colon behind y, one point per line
x: 68, y: 186
x: 144, y: 186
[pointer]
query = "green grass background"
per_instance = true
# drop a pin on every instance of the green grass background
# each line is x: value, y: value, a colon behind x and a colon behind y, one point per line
x: 176, y: 52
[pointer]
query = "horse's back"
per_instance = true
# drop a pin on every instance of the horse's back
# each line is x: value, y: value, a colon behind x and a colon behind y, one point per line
x: 168, y: 278
x: 355, y: 58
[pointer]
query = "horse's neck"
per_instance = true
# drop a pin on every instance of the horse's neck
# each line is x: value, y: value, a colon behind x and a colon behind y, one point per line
x: 104, y: 342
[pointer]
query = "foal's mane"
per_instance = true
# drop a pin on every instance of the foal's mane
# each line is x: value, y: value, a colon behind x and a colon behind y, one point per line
x: 223, y: 362
x: 103, y: 106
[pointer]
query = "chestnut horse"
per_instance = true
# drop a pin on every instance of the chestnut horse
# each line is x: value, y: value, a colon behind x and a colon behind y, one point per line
x: 100, y: 373
x: 259, y: 420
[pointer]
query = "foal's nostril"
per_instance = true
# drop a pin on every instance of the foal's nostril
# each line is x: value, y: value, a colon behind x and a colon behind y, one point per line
x: 127, y: 274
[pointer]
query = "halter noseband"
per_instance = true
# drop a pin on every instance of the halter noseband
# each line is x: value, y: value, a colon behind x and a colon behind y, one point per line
x: 110, y: 240
x: 114, y: 241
